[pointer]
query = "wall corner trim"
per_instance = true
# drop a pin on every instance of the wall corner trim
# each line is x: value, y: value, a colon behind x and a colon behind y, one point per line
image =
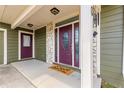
x: 5, y: 45
x: 123, y: 56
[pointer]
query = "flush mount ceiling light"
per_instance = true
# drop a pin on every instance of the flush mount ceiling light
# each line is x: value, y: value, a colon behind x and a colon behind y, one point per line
x: 54, y: 11
x: 29, y: 25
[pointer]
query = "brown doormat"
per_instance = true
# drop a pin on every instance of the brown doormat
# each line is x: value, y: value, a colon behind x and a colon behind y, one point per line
x: 62, y: 69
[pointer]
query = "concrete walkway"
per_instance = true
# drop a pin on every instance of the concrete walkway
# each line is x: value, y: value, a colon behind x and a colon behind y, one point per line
x: 41, y: 76
x: 11, y: 78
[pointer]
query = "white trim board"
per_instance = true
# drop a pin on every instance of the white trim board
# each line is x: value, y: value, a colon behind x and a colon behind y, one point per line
x: 28, y: 12
x: 19, y: 43
x: 5, y: 45
x: 86, y: 35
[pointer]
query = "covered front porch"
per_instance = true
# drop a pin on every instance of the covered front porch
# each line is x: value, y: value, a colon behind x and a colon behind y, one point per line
x: 39, y: 37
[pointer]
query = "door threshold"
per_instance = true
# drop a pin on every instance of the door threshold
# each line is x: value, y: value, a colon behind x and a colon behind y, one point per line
x: 26, y: 59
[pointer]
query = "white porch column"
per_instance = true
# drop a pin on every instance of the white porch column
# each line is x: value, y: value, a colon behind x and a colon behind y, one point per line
x: 86, y: 34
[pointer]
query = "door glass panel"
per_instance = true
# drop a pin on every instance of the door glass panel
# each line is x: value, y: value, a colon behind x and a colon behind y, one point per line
x: 65, y: 39
x: 26, y: 41
x: 77, y: 44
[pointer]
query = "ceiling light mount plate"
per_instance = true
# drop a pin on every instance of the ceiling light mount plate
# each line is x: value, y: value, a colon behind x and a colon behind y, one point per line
x: 54, y: 11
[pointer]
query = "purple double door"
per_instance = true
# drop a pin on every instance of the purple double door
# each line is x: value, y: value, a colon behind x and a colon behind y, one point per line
x: 26, y: 46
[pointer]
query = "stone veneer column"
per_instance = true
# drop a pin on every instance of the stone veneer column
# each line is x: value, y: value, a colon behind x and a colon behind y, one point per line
x: 50, y: 43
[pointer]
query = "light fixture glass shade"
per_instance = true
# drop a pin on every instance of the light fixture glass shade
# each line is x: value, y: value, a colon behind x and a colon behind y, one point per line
x: 54, y: 11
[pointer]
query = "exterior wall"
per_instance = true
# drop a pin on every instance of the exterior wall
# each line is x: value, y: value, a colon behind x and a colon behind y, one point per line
x: 40, y: 44
x: 111, y: 44
x: 12, y: 42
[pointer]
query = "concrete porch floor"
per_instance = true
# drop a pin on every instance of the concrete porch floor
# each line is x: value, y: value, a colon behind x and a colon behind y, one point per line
x: 11, y: 78
x: 39, y: 74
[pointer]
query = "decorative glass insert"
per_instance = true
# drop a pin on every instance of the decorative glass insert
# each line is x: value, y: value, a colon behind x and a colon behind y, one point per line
x: 26, y: 41
x: 77, y: 44
x: 65, y: 39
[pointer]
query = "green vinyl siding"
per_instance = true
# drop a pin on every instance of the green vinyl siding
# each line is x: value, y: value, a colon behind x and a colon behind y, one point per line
x: 40, y: 44
x: 69, y: 20
x: 23, y: 29
x: 111, y: 44
x: 12, y: 41
x: 1, y: 47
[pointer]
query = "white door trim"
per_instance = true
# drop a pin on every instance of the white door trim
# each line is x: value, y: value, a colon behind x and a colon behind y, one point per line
x: 57, y: 45
x: 73, y: 45
x: 5, y: 45
x: 19, y: 43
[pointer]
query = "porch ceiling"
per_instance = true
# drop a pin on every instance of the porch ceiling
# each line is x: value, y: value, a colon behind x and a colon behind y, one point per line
x: 44, y: 16
x: 9, y: 13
